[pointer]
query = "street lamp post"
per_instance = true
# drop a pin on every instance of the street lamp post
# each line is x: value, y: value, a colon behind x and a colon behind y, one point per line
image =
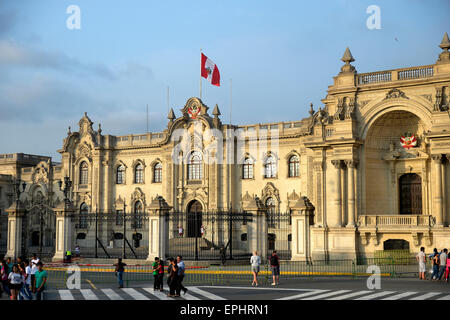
x: 18, y: 193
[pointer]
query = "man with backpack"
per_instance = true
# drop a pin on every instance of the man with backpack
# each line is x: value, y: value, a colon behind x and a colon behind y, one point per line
x: 275, y: 265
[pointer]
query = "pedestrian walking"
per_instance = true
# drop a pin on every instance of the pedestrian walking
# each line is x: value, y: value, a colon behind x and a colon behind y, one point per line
x: 156, y: 267
x: 443, y: 263
x: 173, y: 282
x: 421, y: 258
x: 41, y: 280
x: 169, y: 270
x: 447, y: 270
x: 15, y: 280
x: 181, y: 269
x: 120, y: 269
x: 161, y: 275
x: 77, y: 251
x: 9, y: 263
x: 435, y: 262
x: 34, y: 268
x: 275, y: 265
x: 4, y: 277
x: 180, y: 231
x: 255, y: 262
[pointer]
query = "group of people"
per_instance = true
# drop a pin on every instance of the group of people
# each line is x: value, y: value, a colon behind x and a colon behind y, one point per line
x: 274, y: 260
x: 23, y: 279
x: 175, y: 275
x: 440, y: 262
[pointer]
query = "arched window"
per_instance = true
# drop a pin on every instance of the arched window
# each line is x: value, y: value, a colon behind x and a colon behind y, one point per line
x: 84, y: 209
x: 84, y: 169
x: 139, y: 173
x: 120, y: 175
x: 247, y: 169
x: 195, y: 166
x: 294, y: 166
x: 270, y: 168
x: 138, y: 215
x: 157, y: 172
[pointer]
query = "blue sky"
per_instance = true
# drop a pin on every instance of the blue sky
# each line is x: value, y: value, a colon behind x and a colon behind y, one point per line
x: 281, y: 56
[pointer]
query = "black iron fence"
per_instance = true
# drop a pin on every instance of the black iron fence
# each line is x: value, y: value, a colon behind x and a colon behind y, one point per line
x: 111, y: 234
x: 279, y: 234
x: 212, y: 235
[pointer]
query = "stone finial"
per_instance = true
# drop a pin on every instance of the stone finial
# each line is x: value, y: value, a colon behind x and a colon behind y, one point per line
x: 69, y: 132
x: 216, y: 112
x: 444, y: 57
x: 311, y: 110
x: 347, y: 58
x: 99, y: 128
x: 445, y: 43
x: 171, y: 115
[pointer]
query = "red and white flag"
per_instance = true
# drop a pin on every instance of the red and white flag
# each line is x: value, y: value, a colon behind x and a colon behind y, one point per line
x: 210, y: 71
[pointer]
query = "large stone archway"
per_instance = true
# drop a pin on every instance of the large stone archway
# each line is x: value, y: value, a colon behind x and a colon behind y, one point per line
x: 385, y: 160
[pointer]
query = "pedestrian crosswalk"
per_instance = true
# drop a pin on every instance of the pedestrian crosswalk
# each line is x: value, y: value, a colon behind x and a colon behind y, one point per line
x: 225, y: 293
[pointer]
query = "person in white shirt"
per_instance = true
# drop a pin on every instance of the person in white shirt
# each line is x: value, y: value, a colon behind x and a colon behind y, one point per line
x: 15, y: 282
x: 27, y: 284
x: 421, y: 258
x: 34, y: 269
x: 255, y: 261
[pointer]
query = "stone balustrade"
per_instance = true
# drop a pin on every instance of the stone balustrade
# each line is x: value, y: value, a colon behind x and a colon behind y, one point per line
x: 395, y: 75
x: 396, y: 220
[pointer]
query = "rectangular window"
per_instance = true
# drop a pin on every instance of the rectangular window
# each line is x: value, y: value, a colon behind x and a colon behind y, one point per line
x: 119, y: 217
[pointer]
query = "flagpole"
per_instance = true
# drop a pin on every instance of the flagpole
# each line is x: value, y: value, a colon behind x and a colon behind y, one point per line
x: 200, y: 74
x: 231, y: 98
x: 167, y: 99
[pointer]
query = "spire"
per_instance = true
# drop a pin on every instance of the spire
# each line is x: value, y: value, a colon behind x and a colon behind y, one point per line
x: 444, y: 57
x: 171, y: 115
x: 216, y: 112
x: 347, y: 58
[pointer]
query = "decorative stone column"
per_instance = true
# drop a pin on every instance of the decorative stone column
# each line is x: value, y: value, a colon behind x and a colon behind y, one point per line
x: 158, y: 228
x: 301, y: 216
x: 15, y: 217
x: 64, y: 230
x: 437, y: 161
x: 337, y: 195
x: 257, y: 228
x: 351, y: 165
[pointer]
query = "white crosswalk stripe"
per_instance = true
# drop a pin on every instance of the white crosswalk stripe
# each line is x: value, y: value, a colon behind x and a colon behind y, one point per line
x: 376, y: 295
x: 326, y: 295
x: 349, y: 295
x: 111, y: 294
x: 426, y: 296
x: 400, y: 295
x: 160, y: 295
x: 66, y: 295
x: 302, y: 295
x: 88, y: 294
x: 444, y: 298
x: 206, y: 294
x: 136, y: 295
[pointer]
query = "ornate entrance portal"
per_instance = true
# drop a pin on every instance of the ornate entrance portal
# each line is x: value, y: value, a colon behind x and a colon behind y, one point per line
x: 194, y: 219
x: 410, y: 194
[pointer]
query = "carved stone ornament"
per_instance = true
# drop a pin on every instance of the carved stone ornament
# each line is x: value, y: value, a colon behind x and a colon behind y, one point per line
x: 395, y: 94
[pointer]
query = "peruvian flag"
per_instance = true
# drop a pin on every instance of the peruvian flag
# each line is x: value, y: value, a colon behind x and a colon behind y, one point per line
x: 210, y: 71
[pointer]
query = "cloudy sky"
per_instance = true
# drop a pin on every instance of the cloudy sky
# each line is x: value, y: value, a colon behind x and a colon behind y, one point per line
x: 280, y: 55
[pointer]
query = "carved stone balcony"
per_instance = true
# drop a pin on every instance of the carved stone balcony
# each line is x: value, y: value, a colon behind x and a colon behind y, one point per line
x: 396, y: 221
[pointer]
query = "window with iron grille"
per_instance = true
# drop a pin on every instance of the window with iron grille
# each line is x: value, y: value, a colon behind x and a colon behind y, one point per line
x: 139, y: 173
x: 83, y: 222
x: 247, y: 169
x: 84, y: 171
x: 270, y: 168
x: 119, y: 217
x: 157, y: 172
x: 137, y: 223
x: 294, y: 166
x: 120, y: 175
x: 195, y: 166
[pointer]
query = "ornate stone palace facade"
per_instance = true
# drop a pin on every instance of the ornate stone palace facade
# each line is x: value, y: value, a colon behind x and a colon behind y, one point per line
x: 373, y: 161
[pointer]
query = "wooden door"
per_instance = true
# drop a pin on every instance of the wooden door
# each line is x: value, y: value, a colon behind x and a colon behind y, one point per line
x: 410, y: 194
x: 194, y: 219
